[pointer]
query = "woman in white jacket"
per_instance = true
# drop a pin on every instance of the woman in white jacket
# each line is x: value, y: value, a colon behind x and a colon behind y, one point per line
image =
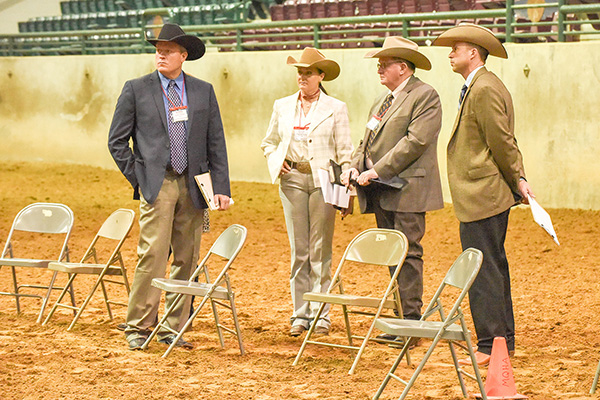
x: 307, y: 129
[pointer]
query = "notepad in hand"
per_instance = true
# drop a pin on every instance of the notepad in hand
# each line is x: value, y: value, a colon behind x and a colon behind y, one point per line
x: 204, y: 182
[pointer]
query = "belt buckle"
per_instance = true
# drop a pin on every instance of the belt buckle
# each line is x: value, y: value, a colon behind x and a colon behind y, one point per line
x: 303, y: 167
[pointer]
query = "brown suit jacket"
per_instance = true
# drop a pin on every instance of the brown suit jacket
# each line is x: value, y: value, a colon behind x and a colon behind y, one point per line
x: 484, y: 161
x: 406, y: 147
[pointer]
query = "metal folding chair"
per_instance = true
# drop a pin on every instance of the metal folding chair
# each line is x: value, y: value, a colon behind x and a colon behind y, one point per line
x: 114, y: 229
x: 450, y: 327
x: 218, y: 291
x: 376, y: 248
x: 38, y: 218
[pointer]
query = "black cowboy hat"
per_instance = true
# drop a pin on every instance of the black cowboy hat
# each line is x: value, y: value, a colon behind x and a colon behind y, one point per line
x: 173, y: 33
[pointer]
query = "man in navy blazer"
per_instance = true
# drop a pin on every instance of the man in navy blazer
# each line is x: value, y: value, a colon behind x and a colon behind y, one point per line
x: 174, y: 123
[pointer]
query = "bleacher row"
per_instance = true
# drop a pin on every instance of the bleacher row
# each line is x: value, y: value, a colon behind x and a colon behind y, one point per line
x: 114, y: 14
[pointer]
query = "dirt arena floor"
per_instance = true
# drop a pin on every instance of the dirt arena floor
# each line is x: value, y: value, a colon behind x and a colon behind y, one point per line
x: 555, y: 289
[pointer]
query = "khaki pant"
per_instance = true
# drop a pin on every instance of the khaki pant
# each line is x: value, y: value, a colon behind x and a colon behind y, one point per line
x: 173, y: 222
x: 310, y: 222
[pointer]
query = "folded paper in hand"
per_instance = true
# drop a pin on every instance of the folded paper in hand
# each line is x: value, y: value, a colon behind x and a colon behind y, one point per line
x: 334, y: 194
x: 542, y: 218
x: 204, y: 182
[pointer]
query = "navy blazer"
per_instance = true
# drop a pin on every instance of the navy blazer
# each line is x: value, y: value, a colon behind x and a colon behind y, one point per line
x: 140, y: 116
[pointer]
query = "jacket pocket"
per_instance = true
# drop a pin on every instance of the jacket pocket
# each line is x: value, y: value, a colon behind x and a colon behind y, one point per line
x: 412, y: 172
x: 482, y: 172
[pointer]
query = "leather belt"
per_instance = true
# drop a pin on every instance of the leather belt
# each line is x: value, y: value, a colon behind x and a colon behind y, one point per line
x: 301, y: 166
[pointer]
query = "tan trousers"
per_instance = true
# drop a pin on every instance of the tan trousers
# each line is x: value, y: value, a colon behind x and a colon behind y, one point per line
x: 310, y: 222
x: 171, y: 221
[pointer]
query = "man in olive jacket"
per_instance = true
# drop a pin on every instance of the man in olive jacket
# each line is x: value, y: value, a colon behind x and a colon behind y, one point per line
x: 486, y: 177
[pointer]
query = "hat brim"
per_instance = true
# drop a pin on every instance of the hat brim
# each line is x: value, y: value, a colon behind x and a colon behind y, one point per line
x: 472, y: 34
x: 330, y: 68
x: 192, y: 44
x: 418, y: 59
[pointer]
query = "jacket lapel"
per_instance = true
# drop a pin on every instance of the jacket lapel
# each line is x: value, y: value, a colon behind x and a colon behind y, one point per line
x: 397, y: 101
x: 462, y: 105
x: 191, y: 103
x: 321, y: 113
x: 157, y: 95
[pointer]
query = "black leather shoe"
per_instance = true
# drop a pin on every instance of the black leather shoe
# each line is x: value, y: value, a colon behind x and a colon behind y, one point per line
x: 386, y: 336
x: 168, y: 340
x: 136, y: 343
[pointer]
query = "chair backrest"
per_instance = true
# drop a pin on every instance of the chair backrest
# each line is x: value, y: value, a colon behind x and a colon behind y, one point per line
x: 465, y: 269
x: 377, y: 246
x: 44, y: 218
x: 50, y: 218
x: 117, y: 225
x: 461, y: 275
x: 230, y: 242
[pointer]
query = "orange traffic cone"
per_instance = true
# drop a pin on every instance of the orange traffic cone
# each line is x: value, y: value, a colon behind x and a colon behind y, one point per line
x: 500, y: 383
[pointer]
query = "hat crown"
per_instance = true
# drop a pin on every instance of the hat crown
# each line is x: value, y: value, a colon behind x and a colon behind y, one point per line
x: 394, y: 42
x: 170, y: 31
x: 310, y: 55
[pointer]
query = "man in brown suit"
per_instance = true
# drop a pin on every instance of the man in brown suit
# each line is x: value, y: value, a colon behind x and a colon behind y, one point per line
x: 400, y: 146
x: 486, y: 177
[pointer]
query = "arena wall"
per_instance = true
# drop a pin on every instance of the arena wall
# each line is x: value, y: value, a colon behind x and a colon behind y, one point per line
x: 59, y: 109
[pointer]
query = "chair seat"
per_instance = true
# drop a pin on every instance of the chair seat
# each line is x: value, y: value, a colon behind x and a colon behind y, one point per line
x: 191, y: 288
x: 24, y: 262
x: 83, y: 268
x: 347, y: 300
x: 415, y: 328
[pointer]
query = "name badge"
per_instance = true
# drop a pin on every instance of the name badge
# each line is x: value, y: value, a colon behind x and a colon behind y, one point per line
x: 179, y: 115
x: 373, y: 123
x: 301, y: 133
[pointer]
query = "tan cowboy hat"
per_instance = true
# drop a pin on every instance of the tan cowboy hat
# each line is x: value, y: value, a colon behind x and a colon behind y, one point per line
x: 397, y: 46
x: 173, y: 33
x: 471, y: 33
x: 312, y: 57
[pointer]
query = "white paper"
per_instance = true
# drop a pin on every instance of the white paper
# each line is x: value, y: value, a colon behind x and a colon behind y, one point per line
x: 204, y: 182
x: 542, y: 218
x: 336, y: 195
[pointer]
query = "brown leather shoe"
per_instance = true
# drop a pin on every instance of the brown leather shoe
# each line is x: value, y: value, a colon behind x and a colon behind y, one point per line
x: 320, y: 331
x: 482, y: 359
x: 297, y: 330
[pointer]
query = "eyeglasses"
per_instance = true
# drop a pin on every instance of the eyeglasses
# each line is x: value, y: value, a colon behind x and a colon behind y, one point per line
x: 387, y: 64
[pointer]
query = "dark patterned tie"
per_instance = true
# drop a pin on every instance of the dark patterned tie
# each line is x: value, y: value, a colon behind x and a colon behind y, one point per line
x: 176, y: 133
x: 463, y: 91
x: 382, y: 110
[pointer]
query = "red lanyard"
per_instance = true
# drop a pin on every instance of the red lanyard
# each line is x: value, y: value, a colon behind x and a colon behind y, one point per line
x: 305, y: 127
x: 182, y: 107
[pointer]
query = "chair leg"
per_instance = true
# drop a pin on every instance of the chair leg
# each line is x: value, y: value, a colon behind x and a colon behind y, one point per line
x: 219, y: 330
x: 475, y: 367
x: 347, y: 322
x: 46, y: 297
x: 14, y: 277
x: 183, y: 330
x: 309, y: 334
x: 595, y: 384
x: 415, y: 375
x: 86, y: 301
x: 60, y: 297
x: 390, y: 372
x: 457, y: 368
x: 237, y: 325
x: 106, y: 299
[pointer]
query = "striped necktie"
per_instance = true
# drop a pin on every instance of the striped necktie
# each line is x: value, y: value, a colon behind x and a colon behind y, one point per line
x: 382, y: 110
x: 177, y: 134
x: 463, y: 91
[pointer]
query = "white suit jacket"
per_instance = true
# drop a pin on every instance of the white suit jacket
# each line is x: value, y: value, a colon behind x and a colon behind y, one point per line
x: 328, y: 134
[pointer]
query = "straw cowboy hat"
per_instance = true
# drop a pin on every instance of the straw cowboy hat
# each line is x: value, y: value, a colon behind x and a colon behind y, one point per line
x: 312, y: 57
x: 173, y: 33
x: 397, y: 46
x: 471, y: 33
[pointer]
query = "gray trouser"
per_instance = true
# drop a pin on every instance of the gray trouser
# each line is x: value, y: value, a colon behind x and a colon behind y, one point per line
x: 310, y: 222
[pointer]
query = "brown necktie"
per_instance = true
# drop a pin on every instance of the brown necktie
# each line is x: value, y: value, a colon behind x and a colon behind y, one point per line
x: 382, y: 110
